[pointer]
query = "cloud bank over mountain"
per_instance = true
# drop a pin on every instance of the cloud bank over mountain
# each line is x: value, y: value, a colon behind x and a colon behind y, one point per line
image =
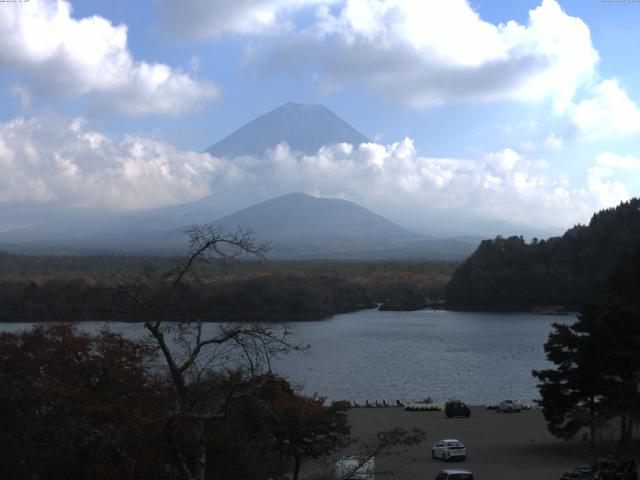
x: 50, y: 160
x: 58, y: 161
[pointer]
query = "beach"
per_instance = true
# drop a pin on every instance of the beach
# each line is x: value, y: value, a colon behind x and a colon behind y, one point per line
x: 500, y: 446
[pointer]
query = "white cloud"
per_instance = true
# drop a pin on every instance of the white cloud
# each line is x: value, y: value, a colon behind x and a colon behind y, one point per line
x: 554, y: 142
x: 64, y: 56
x: 431, y: 52
x: 50, y: 160
x: 614, y: 161
x: 608, y: 192
x: 505, y: 160
x: 609, y: 113
x: 396, y: 181
x: 213, y: 18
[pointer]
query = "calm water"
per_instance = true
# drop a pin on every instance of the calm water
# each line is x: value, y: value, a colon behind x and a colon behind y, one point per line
x: 477, y: 357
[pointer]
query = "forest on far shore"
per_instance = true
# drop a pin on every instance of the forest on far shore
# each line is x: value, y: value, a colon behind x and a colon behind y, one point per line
x: 569, y: 271
x: 75, y: 288
x: 565, y: 272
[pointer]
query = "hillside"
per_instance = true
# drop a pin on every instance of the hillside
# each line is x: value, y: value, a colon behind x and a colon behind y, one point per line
x: 570, y: 271
x: 301, y: 226
x: 298, y: 215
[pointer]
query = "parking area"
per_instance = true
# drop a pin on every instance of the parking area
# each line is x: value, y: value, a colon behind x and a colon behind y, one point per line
x: 499, y: 446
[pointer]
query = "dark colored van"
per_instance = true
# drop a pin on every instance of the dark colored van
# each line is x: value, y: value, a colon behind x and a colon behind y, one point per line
x: 456, y: 408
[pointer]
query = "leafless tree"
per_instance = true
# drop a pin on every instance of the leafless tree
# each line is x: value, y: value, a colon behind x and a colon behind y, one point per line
x: 191, y: 350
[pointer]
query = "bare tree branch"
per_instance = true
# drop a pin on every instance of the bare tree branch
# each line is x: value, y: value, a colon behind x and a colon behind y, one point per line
x: 188, y: 351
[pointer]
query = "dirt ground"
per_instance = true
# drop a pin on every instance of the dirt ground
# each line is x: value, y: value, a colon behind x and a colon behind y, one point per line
x: 500, y: 446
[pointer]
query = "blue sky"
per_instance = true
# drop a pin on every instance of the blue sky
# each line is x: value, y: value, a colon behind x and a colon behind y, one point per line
x: 521, y: 111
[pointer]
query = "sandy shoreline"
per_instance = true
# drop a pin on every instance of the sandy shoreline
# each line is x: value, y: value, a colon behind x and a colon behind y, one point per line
x: 499, y: 446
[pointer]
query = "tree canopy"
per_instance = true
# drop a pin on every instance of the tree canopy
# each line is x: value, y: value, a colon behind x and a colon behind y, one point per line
x: 78, y: 406
x: 571, y: 270
x: 597, y: 361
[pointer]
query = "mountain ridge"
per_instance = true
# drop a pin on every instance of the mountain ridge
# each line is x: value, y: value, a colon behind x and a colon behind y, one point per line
x: 299, y: 214
x: 298, y: 226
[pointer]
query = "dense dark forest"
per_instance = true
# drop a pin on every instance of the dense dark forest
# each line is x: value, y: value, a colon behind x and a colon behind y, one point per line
x: 59, y: 288
x: 568, y: 271
x: 76, y: 406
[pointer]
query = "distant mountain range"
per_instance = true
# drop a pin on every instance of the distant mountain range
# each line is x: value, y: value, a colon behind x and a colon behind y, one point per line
x: 296, y: 225
x: 305, y: 128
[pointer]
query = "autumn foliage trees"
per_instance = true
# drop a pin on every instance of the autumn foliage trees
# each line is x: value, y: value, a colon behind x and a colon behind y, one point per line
x: 78, y: 406
x: 49, y: 288
x: 75, y: 406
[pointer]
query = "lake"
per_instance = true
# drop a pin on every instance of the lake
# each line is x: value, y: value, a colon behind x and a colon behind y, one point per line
x: 373, y: 355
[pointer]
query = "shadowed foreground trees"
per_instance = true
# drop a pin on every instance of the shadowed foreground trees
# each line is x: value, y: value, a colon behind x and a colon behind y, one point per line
x: 74, y: 406
x: 571, y: 394
x: 190, y: 402
x: 597, y: 374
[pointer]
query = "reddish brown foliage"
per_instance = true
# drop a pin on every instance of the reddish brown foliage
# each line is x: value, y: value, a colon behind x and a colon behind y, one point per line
x: 76, y: 406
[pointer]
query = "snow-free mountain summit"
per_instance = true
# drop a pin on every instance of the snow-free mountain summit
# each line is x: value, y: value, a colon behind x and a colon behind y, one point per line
x: 304, y: 127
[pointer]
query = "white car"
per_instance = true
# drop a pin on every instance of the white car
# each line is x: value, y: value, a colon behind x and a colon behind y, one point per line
x: 449, y: 449
x: 356, y: 468
x: 509, y: 406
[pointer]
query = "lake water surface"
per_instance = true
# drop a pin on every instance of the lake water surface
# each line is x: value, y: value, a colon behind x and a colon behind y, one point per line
x: 373, y: 355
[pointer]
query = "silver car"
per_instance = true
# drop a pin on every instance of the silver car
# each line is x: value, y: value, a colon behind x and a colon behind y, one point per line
x: 449, y: 449
x: 509, y: 406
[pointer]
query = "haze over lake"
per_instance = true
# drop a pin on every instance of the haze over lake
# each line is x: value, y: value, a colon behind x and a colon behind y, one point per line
x: 374, y: 355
